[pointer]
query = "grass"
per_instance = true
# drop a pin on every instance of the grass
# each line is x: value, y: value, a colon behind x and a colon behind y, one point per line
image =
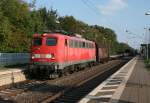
x: 147, y: 63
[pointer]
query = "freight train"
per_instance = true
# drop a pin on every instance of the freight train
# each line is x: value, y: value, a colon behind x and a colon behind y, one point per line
x: 56, y: 53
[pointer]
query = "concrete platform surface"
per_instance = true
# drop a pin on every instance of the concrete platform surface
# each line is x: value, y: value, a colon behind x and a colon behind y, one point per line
x: 130, y: 84
x: 137, y: 89
x: 11, y: 75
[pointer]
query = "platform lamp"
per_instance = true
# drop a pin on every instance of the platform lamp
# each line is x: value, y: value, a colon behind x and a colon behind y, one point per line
x: 147, y: 13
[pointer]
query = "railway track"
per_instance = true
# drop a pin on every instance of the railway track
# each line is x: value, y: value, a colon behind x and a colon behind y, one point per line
x: 77, y: 93
x: 50, y: 90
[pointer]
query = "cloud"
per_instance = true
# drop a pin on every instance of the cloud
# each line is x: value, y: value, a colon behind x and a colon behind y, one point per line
x: 112, y: 6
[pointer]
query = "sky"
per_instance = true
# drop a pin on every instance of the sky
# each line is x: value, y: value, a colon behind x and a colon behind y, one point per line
x: 119, y: 15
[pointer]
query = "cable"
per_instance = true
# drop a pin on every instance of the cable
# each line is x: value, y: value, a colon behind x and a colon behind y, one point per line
x: 90, y: 7
x: 94, y: 9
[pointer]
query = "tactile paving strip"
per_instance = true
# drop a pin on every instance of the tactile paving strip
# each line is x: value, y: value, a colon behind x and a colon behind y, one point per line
x: 105, y: 91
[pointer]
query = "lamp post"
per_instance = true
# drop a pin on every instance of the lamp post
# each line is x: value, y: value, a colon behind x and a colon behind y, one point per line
x: 148, y: 44
x: 147, y: 13
x: 146, y: 34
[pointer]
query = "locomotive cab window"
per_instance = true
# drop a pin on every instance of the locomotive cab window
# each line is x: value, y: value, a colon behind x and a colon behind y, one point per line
x: 37, y: 41
x: 51, y: 41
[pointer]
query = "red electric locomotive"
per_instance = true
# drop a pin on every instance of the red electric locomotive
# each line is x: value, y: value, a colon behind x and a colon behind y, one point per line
x: 55, y: 52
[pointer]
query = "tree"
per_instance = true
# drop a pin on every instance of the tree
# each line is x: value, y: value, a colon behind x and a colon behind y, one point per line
x: 19, y: 22
x: 15, y: 24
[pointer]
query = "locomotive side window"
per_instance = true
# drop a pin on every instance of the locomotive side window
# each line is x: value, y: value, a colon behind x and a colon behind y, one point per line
x: 90, y: 45
x: 86, y: 45
x: 70, y: 43
x: 73, y: 43
x: 37, y: 41
x: 80, y: 43
x: 76, y: 44
x: 66, y: 42
x: 51, y: 41
x: 83, y: 44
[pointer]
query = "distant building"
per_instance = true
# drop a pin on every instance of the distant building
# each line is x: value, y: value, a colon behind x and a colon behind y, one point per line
x: 145, y: 50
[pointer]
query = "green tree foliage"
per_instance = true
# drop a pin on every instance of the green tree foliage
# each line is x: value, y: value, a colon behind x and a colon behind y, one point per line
x: 14, y: 26
x: 71, y: 25
x: 4, y: 30
x: 19, y: 22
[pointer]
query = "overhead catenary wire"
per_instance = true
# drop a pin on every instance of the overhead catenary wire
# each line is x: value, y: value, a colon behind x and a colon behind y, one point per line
x: 95, y: 10
x: 85, y: 2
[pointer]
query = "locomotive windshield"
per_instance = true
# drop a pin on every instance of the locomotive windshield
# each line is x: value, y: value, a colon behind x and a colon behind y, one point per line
x: 51, y: 41
x: 37, y: 41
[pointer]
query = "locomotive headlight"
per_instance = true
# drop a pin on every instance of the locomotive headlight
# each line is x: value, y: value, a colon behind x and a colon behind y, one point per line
x: 53, y: 57
x: 48, y: 56
x: 32, y: 57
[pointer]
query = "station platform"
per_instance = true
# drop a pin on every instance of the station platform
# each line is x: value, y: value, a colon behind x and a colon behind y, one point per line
x: 11, y: 75
x: 130, y: 84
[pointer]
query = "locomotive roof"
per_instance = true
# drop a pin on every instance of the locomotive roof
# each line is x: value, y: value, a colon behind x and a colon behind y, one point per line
x: 61, y: 35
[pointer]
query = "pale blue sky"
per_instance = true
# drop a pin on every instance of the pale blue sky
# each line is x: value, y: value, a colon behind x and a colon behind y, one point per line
x: 116, y: 14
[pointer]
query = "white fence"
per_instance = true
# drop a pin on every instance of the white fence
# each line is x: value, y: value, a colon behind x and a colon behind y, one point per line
x: 14, y: 58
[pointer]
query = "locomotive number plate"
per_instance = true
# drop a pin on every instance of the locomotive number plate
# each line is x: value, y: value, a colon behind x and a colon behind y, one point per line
x: 42, y: 55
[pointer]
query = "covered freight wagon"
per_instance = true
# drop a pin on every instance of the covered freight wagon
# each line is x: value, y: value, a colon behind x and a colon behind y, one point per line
x: 102, y: 54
